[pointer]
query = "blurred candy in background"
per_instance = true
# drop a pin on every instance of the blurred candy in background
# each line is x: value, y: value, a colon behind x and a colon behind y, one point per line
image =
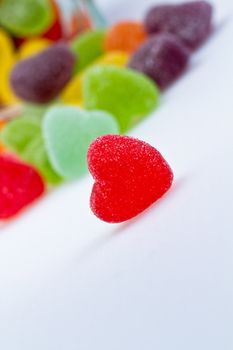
x: 68, y: 78
x: 29, y: 26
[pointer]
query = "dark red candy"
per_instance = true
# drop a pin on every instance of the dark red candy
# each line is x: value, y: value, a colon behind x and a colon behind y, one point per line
x: 40, y: 78
x: 191, y: 21
x: 20, y: 185
x: 55, y: 32
x: 130, y: 176
x: 163, y: 58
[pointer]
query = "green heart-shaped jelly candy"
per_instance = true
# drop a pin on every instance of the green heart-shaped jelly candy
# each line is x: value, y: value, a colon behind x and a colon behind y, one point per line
x: 25, y: 18
x: 23, y: 137
x: 128, y: 95
x: 68, y: 132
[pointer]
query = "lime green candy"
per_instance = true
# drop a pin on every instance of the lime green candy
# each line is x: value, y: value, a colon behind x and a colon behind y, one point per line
x: 18, y: 133
x: 36, y: 155
x: 128, y: 95
x: 23, y: 137
x: 26, y: 17
x: 88, y: 47
x: 68, y: 132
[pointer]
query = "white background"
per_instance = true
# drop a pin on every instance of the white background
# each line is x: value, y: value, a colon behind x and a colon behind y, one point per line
x: 163, y: 281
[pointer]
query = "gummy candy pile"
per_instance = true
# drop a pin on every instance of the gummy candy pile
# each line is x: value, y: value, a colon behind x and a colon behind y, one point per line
x: 79, y: 94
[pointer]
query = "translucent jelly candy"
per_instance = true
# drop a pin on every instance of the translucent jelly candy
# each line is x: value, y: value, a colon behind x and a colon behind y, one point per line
x: 6, y: 49
x: 68, y: 132
x: 7, y: 96
x: 55, y: 31
x: 25, y: 18
x: 115, y: 58
x: 125, y: 36
x: 32, y: 47
x: 130, y: 176
x: 7, y: 60
x: 20, y: 185
x: 36, y: 154
x: 163, y: 58
x: 23, y: 137
x: 18, y: 133
x: 81, y: 22
x: 72, y: 94
x: 41, y: 78
x: 87, y: 47
x: 126, y: 94
x: 191, y: 22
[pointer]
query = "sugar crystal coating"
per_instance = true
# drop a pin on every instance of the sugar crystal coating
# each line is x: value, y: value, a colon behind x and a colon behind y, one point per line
x: 130, y: 175
x: 163, y: 58
x: 20, y: 185
x: 191, y: 22
x: 39, y: 79
x: 68, y: 132
x: 129, y: 96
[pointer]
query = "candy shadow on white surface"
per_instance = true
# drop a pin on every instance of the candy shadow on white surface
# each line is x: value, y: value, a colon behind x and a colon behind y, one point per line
x: 168, y: 284
x: 195, y: 64
x: 98, y: 243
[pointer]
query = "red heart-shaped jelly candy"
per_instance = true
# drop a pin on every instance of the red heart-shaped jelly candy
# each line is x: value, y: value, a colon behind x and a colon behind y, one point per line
x: 20, y: 185
x: 130, y: 176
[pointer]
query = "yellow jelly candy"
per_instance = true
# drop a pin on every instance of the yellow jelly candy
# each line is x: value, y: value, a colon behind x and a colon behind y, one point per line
x: 7, y: 60
x: 6, y: 49
x: 72, y: 93
x: 116, y: 58
x: 32, y: 47
x: 7, y: 96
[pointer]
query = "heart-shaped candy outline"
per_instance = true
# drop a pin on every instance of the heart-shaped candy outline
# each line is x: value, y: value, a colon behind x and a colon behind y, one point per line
x: 130, y: 175
x: 63, y: 120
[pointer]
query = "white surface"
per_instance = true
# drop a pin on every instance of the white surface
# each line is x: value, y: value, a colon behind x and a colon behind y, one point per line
x: 163, y: 281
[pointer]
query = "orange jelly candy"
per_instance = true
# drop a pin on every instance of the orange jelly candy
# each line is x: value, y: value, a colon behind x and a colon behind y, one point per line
x: 125, y: 36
